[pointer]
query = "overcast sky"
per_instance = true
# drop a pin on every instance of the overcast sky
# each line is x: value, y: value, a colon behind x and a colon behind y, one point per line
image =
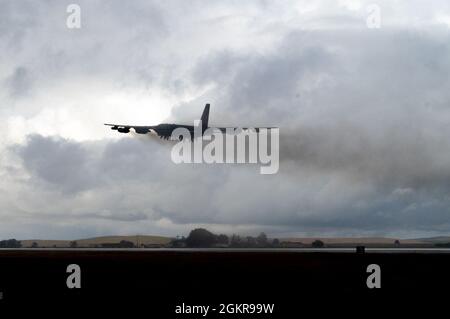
x: 364, y: 117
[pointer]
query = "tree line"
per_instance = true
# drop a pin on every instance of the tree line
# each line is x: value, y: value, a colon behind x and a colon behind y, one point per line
x: 10, y: 243
x: 203, y: 238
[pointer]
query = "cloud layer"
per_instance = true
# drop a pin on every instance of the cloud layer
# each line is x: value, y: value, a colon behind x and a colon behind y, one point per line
x: 363, y: 116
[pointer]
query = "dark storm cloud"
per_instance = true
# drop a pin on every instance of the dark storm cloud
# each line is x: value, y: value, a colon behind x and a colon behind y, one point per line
x: 126, y: 173
x: 370, y: 106
x: 206, y: 194
x: 73, y: 166
x: 58, y: 162
x: 368, y: 109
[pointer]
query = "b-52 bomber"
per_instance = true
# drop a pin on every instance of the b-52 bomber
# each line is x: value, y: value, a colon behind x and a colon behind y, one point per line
x: 165, y: 130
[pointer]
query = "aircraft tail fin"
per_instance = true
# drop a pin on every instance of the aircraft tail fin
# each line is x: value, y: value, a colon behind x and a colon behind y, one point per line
x: 205, y: 116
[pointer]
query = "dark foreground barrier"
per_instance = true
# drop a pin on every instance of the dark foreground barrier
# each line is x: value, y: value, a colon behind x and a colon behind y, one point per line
x: 181, y: 284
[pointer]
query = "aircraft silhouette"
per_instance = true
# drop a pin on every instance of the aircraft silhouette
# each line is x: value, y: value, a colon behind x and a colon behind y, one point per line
x: 165, y: 130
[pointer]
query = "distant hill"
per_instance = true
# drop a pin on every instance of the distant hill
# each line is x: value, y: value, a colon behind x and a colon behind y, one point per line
x: 353, y: 240
x: 436, y: 240
x: 98, y: 241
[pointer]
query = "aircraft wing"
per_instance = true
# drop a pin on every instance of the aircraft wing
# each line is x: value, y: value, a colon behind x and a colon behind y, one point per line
x: 126, y: 128
x: 224, y: 129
